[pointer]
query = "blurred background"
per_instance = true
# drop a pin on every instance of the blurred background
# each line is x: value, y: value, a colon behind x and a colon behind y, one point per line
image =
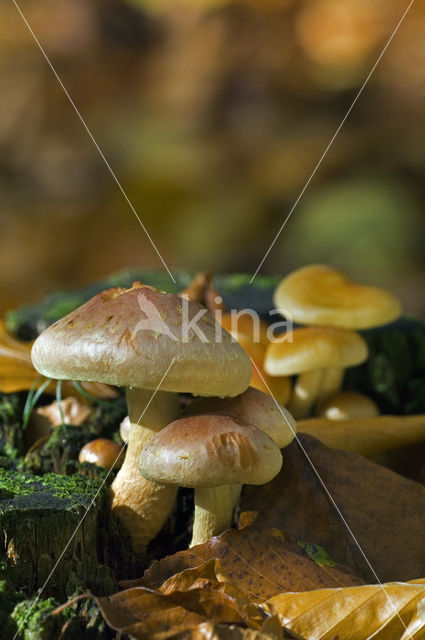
x: 213, y: 115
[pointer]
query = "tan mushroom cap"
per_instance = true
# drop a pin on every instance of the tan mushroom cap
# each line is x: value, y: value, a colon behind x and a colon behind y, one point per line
x: 128, y: 337
x: 346, y: 405
x: 320, y: 295
x: 315, y: 348
x: 255, y: 407
x: 207, y: 451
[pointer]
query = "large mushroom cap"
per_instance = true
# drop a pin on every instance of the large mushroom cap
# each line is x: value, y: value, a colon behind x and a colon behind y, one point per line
x: 128, y: 337
x: 255, y: 407
x: 208, y: 451
x: 315, y: 348
x: 320, y: 295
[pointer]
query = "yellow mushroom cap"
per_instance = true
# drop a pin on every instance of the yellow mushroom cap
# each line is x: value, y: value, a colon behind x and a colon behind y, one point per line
x: 347, y: 404
x: 315, y: 348
x: 321, y: 295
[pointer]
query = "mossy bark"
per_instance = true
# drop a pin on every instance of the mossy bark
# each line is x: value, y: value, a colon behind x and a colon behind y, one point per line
x: 52, y: 533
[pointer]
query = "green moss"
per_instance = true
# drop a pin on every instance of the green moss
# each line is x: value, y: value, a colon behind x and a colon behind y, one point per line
x: 34, y: 620
x: 75, y: 488
x: 232, y: 283
x: 14, y: 483
x: 70, y: 487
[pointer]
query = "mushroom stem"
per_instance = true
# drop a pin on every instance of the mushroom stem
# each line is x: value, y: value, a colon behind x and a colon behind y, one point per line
x: 213, y: 512
x: 305, y: 393
x: 142, y: 505
x: 331, y: 383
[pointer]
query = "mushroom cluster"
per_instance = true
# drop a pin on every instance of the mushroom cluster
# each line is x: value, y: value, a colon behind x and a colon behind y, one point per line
x: 335, y: 308
x: 135, y: 338
x: 210, y: 453
x: 219, y: 445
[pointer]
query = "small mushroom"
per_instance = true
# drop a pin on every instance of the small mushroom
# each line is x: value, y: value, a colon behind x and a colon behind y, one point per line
x: 134, y: 338
x: 255, y: 407
x: 208, y: 453
x: 317, y: 355
x: 103, y: 453
x: 125, y: 427
x: 321, y: 295
x: 347, y: 404
x: 70, y: 410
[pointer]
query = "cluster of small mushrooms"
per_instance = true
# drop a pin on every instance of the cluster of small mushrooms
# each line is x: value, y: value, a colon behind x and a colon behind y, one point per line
x: 233, y: 434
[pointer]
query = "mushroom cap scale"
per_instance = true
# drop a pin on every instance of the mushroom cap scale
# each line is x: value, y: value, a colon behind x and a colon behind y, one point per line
x: 315, y: 348
x: 128, y: 337
x: 321, y: 295
x: 256, y: 408
x: 206, y: 451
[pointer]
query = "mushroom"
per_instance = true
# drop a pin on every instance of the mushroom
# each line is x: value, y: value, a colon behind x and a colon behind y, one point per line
x: 323, y: 296
x: 252, y: 334
x: 279, y: 387
x: 125, y: 426
x: 313, y: 352
x: 148, y: 342
x: 70, y: 410
x: 103, y: 453
x: 347, y: 404
x: 255, y: 407
x: 208, y: 453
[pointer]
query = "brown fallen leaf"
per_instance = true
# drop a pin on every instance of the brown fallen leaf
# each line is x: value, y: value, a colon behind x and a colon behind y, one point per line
x: 393, y: 611
x: 259, y: 563
x: 209, y: 631
x: 385, y: 511
x: 188, y: 599
x: 368, y: 436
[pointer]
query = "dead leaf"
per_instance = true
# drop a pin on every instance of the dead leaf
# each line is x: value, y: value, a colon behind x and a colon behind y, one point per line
x: 369, y: 435
x: 209, y: 631
x: 388, y: 612
x: 259, y: 563
x: 385, y: 511
x: 150, y: 615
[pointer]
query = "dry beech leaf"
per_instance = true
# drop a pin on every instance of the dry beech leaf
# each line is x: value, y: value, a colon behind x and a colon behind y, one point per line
x: 393, y: 611
x: 209, y: 631
x: 368, y: 436
x: 202, y: 594
x: 385, y: 511
x: 259, y: 563
x: 18, y: 374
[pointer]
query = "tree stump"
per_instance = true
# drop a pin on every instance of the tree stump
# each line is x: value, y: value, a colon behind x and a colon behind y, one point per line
x: 53, y: 519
